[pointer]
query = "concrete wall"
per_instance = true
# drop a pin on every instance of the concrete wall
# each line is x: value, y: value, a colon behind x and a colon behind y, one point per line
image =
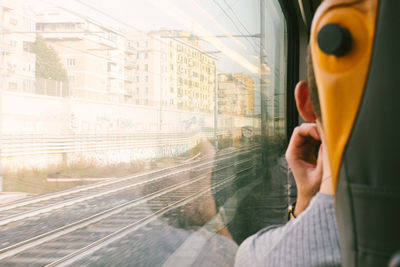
x: 43, y: 130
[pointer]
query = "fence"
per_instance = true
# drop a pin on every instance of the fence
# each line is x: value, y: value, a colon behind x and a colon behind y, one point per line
x: 51, y: 88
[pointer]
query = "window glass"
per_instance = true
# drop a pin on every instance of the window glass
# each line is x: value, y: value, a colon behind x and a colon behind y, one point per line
x: 147, y: 132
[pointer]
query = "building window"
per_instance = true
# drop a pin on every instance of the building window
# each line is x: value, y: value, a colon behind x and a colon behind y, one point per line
x: 137, y: 79
x: 137, y: 44
x: 13, y: 43
x: 70, y: 61
x: 28, y: 47
x: 13, y: 86
x: 147, y: 78
x: 147, y: 90
x: 137, y: 91
x: 112, y: 37
x: 146, y: 55
x: 71, y: 80
x: 29, y: 25
x: 27, y: 86
x: 146, y: 67
x: 129, y: 92
x: 171, y: 101
x: 70, y: 26
x: 13, y: 21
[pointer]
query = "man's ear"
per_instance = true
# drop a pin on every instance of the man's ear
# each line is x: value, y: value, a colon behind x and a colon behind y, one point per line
x: 303, y: 102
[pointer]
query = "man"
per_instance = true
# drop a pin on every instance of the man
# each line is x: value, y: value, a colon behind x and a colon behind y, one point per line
x: 311, y: 238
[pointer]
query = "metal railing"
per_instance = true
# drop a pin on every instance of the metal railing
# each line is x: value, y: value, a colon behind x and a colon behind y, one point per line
x: 22, y: 145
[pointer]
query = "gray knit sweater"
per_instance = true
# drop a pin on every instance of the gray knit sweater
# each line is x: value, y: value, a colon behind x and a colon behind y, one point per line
x: 309, y: 240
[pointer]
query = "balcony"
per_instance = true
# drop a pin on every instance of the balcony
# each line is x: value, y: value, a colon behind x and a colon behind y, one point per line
x: 116, y: 90
x: 130, y: 64
x: 62, y: 36
x: 129, y: 49
x: 114, y: 75
x: 107, y: 42
x: 8, y: 4
x: 129, y: 78
x: 101, y: 40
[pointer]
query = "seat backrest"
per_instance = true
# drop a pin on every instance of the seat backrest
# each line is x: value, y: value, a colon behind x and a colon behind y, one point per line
x: 356, y: 55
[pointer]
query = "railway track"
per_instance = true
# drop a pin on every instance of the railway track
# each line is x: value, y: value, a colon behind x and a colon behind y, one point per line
x: 95, y: 232
x: 45, y: 203
x: 98, y: 230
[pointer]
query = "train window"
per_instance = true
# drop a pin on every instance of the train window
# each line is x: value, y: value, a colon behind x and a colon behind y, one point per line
x: 140, y: 133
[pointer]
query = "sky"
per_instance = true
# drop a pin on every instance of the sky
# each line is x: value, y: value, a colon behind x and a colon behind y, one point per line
x: 204, y: 18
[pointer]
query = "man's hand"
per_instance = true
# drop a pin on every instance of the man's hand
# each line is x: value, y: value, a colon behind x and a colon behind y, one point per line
x: 306, y: 167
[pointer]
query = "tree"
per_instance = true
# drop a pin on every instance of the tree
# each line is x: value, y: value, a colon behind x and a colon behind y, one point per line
x: 48, y: 64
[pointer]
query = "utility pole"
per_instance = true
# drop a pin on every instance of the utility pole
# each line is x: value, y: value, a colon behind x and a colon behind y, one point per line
x: 263, y: 86
x: 1, y: 94
x: 215, y: 107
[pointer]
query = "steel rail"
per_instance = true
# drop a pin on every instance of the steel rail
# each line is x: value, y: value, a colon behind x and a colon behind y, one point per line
x: 40, y: 239
x: 74, y: 256
x: 107, y: 183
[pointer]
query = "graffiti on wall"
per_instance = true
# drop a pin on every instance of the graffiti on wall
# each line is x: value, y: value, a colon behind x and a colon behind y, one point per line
x: 105, y: 124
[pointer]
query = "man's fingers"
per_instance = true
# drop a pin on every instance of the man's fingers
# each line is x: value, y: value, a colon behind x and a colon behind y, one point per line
x: 303, y: 143
x: 308, y: 130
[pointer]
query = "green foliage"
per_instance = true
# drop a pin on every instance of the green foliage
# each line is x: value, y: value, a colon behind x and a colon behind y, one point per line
x: 34, y: 180
x: 48, y: 65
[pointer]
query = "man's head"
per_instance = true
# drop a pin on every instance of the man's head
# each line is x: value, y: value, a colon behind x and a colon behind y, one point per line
x: 306, y: 94
x: 308, y: 138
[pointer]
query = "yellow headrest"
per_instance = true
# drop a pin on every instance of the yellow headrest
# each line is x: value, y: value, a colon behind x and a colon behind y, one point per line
x: 341, y: 79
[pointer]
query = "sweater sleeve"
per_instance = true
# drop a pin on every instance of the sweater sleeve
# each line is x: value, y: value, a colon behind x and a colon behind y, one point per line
x: 309, y: 240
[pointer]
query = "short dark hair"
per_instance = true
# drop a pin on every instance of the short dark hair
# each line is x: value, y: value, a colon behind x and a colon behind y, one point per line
x: 312, y: 85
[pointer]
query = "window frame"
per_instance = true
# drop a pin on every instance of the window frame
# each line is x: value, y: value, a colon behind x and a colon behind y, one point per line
x: 289, y: 9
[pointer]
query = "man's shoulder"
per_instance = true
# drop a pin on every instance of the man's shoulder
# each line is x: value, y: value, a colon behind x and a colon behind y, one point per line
x: 308, y: 236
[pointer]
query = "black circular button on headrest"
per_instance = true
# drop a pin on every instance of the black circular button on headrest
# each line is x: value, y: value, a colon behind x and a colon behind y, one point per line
x: 334, y: 40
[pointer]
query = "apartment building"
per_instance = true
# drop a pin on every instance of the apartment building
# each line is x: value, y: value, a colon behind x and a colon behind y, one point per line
x: 17, y: 35
x: 174, y: 71
x: 150, y: 74
x: 193, y: 71
x: 248, y: 82
x: 160, y: 68
x: 233, y: 94
x: 99, y: 60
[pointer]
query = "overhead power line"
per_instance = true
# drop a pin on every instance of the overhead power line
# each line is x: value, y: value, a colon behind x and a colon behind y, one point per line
x: 234, y: 24
x: 239, y: 20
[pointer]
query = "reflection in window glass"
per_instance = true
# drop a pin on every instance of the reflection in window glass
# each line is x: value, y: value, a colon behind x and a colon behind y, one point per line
x: 147, y: 131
